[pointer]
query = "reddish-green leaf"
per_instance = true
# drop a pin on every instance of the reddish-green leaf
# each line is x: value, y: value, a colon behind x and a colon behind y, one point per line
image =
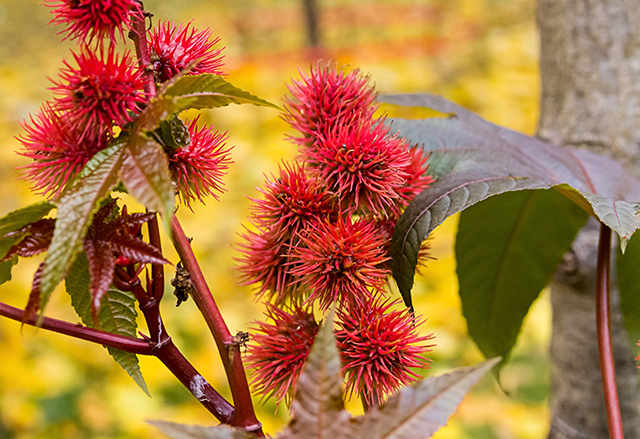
x: 21, y: 217
x: 422, y: 409
x: 318, y: 409
x: 101, y: 267
x: 194, y: 91
x: 76, y: 207
x: 145, y: 174
x: 34, y: 238
x: 12, y: 222
x: 476, y: 159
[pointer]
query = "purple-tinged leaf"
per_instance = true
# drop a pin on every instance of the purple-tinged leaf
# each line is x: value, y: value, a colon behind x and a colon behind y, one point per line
x: 317, y: 408
x: 181, y: 431
x: 33, y: 303
x: 117, y: 314
x: 21, y: 217
x: 137, y: 250
x: 101, y: 267
x: 145, y: 174
x: 35, y: 238
x: 12, y: 222
x: 194, y: 91
x: 76, y: 207
x: 475, y: 159
x: 417, y: 412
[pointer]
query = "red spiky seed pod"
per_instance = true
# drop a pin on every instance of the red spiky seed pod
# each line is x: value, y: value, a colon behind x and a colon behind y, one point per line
x: 362, y: 165
x: 341, y: 262
x: 291, y: 201
x: 89, y: 19
x: 102, y: 91
x: 327, y: 98
x: 58, y: 149
x: 379, y: 346
x: 174, y: 48
x: 278, y: 350
x: 198, y: 168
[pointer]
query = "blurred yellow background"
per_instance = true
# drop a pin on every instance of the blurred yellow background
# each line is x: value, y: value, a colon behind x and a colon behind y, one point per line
x: 479, y: 53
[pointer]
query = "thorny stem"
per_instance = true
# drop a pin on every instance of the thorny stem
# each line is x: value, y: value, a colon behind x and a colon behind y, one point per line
x: 228, y: 347
x: 605, y: 347
x: 122, y: 342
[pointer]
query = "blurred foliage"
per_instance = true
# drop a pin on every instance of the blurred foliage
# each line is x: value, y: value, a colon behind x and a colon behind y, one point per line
x: 480, y: 53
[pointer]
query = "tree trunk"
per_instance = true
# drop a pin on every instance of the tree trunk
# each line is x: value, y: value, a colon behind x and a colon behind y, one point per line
x: 590, y: 69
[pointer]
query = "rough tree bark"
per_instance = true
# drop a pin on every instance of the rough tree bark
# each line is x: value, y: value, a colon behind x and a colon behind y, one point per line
x: 590, y: 68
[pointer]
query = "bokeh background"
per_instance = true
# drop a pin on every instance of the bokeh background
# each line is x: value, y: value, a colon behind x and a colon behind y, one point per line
x: 479, y: 53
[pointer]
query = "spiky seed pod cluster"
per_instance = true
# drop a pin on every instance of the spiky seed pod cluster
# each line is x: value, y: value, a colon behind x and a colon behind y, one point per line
x: 320, y: 233
x: 102, y: 91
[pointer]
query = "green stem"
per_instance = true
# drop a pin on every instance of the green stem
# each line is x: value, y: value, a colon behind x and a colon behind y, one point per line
x: 605, y: 347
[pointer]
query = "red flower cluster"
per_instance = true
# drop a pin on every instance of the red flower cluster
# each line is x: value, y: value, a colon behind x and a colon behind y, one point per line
x: 321, y: 235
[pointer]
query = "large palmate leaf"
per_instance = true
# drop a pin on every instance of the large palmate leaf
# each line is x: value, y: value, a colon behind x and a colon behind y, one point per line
x: 194, y: 91
x: 507, y: 249
x: 475, y: 159
x: 117, y: 314
x: 12, y: 222
x: 76, y: 207
x: 628, y: 273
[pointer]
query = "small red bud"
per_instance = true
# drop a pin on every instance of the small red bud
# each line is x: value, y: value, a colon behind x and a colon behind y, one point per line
x: 123, y: 261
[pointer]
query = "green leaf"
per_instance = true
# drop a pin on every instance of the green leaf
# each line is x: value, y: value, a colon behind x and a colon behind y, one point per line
x: 76, y: 207
x: 194, y: 91
x: 476, y: 159
x: 419, y: 410
x: 5, y: 269
x: 507, y: 249
x: 117, y: 314
x: 181, y: 431
x: 628, y: 274
x: 21, y: 217
x: 145, y: 174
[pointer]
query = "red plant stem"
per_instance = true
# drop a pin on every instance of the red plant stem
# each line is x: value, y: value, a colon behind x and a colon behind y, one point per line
x: 167, y: 352
x: 228, y: 347
x: 605, y: 347
x: 157, y: 270
x: 139, y: 36
x: 122, y: 342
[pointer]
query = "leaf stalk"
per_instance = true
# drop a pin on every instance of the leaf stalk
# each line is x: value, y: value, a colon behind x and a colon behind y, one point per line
x: 605, y: 346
